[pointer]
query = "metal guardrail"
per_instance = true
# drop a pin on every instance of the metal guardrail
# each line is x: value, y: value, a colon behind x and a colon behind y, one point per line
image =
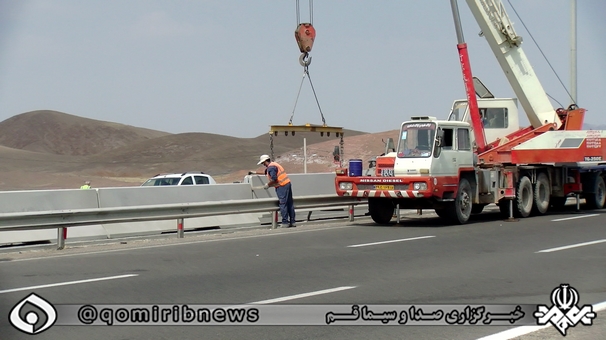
x: 30, y: 216
x: 83, y: 217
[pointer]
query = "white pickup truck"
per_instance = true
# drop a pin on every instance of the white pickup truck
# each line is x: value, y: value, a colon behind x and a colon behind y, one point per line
x: 185, y: 178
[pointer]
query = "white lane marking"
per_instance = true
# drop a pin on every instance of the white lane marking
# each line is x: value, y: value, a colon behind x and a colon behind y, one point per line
x: 514, y: 332
x: 518, y: 331
x: 67, y: 283
x: 571, y: 246
x: 299, y: 296
x: 175, y: 244
x: 392, y: 241
x: 574, y: 218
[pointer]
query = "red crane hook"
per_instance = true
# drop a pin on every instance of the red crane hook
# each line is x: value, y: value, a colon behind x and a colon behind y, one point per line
x: 305, y: 35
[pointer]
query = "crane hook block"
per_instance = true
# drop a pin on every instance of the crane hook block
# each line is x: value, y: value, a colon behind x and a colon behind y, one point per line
x: 305, y: 35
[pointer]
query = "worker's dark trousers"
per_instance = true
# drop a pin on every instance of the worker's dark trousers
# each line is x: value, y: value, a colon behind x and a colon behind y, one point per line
x: 287, y: 206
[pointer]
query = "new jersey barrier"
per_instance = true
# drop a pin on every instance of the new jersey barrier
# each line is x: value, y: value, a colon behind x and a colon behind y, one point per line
x: 27, y: 216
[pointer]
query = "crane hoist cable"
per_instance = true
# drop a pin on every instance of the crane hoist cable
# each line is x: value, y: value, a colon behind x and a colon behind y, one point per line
x: 544, y: 57
x: 305, y: 34
x: 306, y: 73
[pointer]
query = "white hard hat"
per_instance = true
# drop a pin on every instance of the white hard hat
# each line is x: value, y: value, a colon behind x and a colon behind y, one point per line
x: 263, y: 158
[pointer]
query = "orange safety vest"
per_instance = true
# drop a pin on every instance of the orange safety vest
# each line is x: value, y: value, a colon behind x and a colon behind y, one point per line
x: 282, y: 176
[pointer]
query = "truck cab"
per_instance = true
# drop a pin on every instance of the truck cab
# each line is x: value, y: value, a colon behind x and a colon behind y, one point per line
x: 431, y: 147
x: 432, y: 159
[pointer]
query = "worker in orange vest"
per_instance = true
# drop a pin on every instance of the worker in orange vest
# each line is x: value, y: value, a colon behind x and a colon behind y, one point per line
x: 278, y: 179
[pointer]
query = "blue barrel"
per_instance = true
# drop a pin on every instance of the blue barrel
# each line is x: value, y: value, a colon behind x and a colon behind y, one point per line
x: 355, y: 167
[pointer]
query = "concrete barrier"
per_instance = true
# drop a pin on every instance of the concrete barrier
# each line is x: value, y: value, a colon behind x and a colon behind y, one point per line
x: 136, y: 196
x: 47, y: 200
x: 302, y: 184
x: 71, y: 199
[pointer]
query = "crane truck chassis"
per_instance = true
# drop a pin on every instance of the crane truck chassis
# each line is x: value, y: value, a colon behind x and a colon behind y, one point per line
x: 446, y: 165
x: 446, y: 174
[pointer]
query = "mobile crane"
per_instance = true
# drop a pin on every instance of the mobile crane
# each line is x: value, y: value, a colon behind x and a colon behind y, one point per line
x: 479, y: 155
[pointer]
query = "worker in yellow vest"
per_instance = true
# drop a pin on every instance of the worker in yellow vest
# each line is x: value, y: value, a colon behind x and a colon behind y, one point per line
x: 86, y: 185
x: 278, y: 179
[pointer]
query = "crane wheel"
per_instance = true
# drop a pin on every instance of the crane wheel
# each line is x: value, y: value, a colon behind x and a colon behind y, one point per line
x: 381, y: 210
x: 541, y: 194
x: 522, y: 205
x: 460, y: 209
x: 595, y: 199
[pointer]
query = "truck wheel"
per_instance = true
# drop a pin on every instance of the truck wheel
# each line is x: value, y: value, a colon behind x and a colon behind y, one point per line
x: 460, y: 209
x: 522, y: 205
x: 595, y: 199
x: 542, y: 192
x: 381, y: 210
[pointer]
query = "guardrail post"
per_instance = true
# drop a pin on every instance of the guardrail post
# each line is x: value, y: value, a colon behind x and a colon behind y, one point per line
x: 274, y: 219
x: 351, y: 213
x: 61, y: 236
x: 179, y: 228
x: 309, y: 216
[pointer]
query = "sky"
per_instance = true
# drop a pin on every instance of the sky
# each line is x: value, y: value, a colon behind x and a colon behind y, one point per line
x: 231, y: 67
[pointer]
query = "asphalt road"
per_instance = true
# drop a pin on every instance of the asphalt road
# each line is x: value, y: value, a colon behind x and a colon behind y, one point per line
x: 419, y: 261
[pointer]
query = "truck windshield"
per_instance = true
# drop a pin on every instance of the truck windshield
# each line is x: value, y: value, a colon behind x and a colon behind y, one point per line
x: 416, y: 140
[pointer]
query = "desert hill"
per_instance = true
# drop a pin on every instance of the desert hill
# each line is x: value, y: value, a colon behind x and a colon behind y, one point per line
x: 64, y: 134
x: 53, y: 150
x: 211, y: 153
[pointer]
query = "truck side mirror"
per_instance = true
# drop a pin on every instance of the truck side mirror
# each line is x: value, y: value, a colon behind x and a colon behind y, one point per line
x: 439, y: 141
x: 438, y: 147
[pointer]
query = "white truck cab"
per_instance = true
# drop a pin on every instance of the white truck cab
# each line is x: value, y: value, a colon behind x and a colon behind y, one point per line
x: 431, y: 147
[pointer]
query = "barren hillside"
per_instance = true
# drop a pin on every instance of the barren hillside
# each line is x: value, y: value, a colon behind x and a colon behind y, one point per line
x: 54, y: 150
x: 64, y: 134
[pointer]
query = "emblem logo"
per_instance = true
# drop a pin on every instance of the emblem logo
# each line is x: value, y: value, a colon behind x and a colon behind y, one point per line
x: 33, y: 315
x: 564, y: 312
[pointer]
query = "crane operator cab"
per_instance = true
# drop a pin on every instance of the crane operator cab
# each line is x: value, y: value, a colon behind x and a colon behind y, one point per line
x: 499, y: 116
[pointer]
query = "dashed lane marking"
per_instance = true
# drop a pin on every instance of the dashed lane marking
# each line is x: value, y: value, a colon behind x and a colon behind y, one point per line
x: 390, y: 241
x: 303, y: 295
x: 571, y: 246
x: 67, y: 283
x: 574, y: 217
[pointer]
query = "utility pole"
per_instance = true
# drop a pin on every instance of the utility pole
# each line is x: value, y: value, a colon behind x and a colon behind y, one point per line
x: 304, y: 155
